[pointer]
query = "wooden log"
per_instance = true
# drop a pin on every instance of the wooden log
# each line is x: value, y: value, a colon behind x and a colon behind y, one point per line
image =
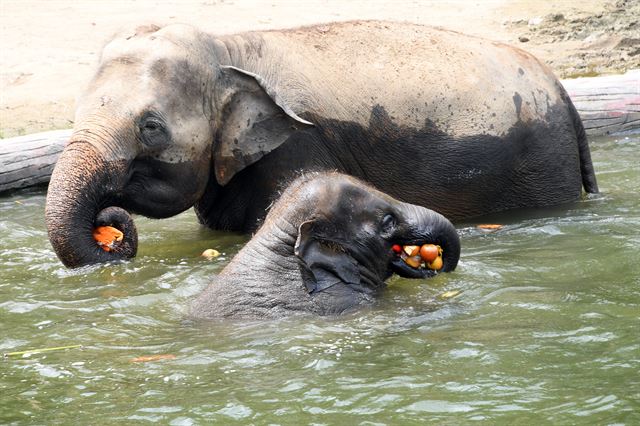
x: 608, y: 104
x: 27, y: 161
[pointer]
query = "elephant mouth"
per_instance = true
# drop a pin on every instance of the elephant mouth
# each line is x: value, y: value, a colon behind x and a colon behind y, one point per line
x: 416, y: 259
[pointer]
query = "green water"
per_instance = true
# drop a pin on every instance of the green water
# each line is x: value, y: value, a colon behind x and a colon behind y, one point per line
x: 546, y: 329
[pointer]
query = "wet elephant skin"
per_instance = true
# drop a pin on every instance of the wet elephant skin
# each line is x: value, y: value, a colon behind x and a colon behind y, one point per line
x: 535, y: 177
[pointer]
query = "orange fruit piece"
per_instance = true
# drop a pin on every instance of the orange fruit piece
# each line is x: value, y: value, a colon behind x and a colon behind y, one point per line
x: 413, y: 261
x: 436, y: 265
x: 429, y: 252
x: 411, y: 250
x: 149, y: 358
x: 490, y: 226
x: 449, y: 294
x: 210, y: 253
x: 107, y: 236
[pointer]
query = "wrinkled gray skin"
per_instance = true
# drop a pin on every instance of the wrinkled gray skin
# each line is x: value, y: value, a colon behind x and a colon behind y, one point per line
x: 175, y: 118
x: 325, y: 249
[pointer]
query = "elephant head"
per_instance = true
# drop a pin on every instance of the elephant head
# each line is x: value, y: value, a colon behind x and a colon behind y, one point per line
x: 348, y: 233
x: 159, y: 110
x: 325, y: 247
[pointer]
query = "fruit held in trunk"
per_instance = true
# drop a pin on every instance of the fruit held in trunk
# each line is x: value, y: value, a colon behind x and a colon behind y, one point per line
x: 107, y: 237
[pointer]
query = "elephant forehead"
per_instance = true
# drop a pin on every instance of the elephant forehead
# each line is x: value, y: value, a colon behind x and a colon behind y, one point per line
x: 152, y: 40
x: 337, y: 193
x: 137, y: 50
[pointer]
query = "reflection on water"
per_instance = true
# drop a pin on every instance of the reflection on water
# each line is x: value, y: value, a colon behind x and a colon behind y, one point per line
x: 545, y: 328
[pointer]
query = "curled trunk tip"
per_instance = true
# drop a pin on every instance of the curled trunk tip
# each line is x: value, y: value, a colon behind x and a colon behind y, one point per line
x: 77, y: 192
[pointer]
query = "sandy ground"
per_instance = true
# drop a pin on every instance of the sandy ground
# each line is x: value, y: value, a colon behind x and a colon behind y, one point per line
x: 49, y: 48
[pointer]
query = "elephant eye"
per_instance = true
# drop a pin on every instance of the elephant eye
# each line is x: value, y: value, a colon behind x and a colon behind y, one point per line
x: 388, y: 223
x: 153, y: 131
x: 152, y: 125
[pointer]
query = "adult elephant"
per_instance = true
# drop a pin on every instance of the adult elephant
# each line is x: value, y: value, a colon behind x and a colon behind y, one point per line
x: 325, y: 248
x: 175, y: 118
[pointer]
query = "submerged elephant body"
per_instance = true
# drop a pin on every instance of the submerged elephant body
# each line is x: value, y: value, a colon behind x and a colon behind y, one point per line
x: 176, y: 118
x: 325, y: 248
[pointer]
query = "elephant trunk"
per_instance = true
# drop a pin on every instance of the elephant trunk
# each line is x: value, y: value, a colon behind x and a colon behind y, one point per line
x: 81, y: 192
x: 430, y: 227
x: 440, y: 231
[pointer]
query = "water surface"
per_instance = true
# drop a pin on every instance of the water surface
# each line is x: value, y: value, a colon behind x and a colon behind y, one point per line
x: 546, y: 328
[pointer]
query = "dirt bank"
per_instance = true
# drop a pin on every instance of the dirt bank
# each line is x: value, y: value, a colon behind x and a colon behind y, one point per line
x: 48, y: 49
x: 584, y: 43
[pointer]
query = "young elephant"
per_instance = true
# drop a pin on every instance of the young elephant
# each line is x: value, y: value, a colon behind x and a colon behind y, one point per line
x: 325, y: 248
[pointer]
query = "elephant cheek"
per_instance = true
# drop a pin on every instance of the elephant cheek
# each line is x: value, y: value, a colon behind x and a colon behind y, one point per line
x: 160, y: 189
x: 81, y: 185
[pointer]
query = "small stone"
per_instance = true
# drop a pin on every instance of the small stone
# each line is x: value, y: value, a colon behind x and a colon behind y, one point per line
x: 555, y: 17
x: 523, y: 39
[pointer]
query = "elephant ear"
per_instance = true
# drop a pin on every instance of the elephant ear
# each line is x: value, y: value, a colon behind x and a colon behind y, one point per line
x: 325, y: 262
x: 255, y: 122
